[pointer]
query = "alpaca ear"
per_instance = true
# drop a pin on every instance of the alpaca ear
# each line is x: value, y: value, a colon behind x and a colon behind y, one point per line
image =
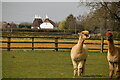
x: 89, y: 36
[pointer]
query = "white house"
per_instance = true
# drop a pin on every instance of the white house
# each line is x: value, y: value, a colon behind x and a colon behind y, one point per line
x: 39, y: 24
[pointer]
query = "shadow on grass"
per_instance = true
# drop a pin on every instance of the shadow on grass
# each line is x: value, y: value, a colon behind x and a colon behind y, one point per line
x: 95, y: 76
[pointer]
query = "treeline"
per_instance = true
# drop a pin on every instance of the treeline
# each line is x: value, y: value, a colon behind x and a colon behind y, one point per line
x: 98, y: 20
x: 103, y: 16
x: 14, y: 25
x: 71, y: 23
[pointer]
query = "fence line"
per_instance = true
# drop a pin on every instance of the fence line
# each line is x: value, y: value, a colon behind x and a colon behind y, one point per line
x: 56, y: 43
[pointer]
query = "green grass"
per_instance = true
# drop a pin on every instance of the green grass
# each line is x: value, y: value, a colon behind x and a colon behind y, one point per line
x: 50, y: 64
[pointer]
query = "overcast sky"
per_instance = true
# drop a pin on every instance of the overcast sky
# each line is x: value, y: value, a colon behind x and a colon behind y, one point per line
x: 24, y: 11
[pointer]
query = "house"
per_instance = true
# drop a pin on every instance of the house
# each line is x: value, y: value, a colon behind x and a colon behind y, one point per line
x: 39, y: 24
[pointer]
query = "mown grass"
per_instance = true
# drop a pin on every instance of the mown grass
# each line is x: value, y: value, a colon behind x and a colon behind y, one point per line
x: 50, y: 64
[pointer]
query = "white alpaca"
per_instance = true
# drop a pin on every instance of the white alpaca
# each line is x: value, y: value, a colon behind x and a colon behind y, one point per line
x: 79, y: 54
x: 113, y: 56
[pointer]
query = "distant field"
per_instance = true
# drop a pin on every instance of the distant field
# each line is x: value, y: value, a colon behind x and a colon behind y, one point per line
x: 50, y: 64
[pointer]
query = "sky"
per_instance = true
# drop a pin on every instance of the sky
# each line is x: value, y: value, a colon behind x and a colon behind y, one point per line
x: 0, y: 11
x: 57, y: 10
x: 25, y: 11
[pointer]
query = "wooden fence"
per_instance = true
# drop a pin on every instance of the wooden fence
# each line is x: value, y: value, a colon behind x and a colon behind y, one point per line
x: 55, y: 42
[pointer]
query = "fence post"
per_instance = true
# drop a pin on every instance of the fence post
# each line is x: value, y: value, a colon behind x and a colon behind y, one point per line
x: 102, y: 44
x: 32, y: 43
x: 8, y: 44
x: 56, y: 44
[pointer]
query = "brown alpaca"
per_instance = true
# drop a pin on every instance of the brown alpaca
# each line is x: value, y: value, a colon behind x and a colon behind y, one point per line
x: 113, y: 56
x: 79, y: 54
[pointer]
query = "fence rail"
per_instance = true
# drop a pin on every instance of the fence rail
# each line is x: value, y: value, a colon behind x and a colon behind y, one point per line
x: 56, y: 43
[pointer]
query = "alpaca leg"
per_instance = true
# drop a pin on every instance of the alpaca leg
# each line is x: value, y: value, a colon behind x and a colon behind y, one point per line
x: 84, y: 67
x: 80, y: 68
x: 75, y: 67
x: 118, y: 70
x: 75, y: 71
x: 111, y: 67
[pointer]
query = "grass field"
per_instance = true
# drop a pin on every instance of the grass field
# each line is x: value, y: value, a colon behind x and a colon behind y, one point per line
x: 50, y: 64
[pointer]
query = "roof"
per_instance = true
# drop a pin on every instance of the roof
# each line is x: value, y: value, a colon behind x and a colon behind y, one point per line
x: 50, y: 21
x: 37, y: 22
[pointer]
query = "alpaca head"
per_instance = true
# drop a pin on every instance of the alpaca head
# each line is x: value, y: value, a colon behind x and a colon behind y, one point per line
x: 84, y: 35
x: 109, y: 35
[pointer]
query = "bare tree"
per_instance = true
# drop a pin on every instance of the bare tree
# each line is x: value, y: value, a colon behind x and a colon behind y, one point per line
x: 105, y: 13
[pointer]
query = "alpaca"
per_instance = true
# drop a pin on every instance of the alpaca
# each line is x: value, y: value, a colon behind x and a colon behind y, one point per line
x: 113, y: 56
x: 79, y: 54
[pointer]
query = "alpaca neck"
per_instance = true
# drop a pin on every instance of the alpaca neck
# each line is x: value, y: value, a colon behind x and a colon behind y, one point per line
x: 111, y: 47
x: 80, y: 44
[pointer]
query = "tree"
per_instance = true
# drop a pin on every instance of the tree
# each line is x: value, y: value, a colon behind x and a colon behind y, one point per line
x: 103, y: 15
x: 70, y: 22
x: 107, y: 5
x: 61, y: 25
x: 25, y: 25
